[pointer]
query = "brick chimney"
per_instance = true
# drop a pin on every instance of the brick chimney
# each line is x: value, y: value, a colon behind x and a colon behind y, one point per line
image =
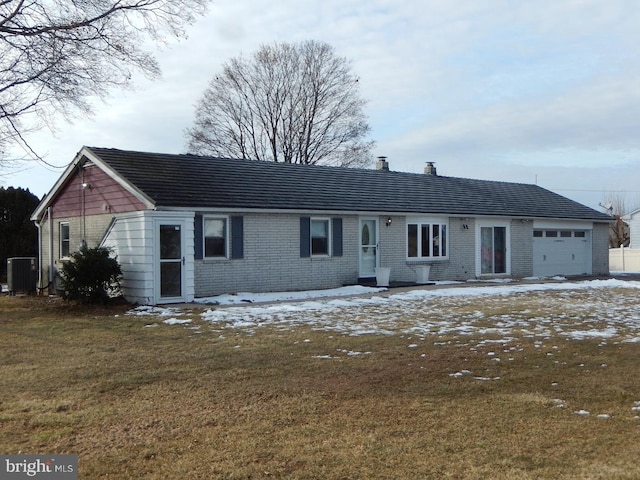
x: 430, y: 169
x: 382, y: 164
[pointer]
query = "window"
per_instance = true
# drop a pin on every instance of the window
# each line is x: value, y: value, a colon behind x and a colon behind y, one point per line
x: 559, y: 233
x: 65, y: 240
x: 426, y: 239
x: 215, y: 237
x: 319, y: 236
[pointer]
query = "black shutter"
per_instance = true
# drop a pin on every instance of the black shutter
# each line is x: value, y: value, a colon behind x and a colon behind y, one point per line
x: 198, y: 241
x: 336, y: 233
x: 305, y: 237
x: 237, y: 237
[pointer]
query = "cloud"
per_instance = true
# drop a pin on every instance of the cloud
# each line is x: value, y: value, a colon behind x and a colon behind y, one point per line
x: 595, y: 116
x: 494, y: 89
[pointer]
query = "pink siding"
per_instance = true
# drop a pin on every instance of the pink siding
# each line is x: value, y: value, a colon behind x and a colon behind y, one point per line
x: 105, y: 195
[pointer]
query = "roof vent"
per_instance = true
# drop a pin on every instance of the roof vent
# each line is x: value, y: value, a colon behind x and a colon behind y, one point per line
x: 430, y: 169
x: 382, y: 164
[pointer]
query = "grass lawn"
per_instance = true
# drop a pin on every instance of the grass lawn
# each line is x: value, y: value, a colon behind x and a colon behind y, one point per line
x: 138, y: 398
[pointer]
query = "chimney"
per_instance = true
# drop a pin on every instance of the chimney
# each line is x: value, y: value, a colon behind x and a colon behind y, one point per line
x: 382, y: 164
x: 430, y: 169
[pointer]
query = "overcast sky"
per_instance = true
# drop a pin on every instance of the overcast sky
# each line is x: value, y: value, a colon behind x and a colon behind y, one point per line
x: 544, y: 92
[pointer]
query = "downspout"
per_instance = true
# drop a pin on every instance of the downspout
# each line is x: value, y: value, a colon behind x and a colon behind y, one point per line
x: 83, y: 186
x: 39, y: 253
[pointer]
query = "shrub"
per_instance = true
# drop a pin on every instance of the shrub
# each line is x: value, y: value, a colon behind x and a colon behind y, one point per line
x: 92, y: 275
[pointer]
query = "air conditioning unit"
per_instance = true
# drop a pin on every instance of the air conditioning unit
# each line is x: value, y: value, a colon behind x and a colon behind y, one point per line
x: 22, y: 274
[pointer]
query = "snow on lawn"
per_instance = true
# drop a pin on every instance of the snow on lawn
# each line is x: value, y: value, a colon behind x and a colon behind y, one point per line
x: 572, y: 309
x: 246, y: 297
x: 446, y: 311
x: 171, y: 315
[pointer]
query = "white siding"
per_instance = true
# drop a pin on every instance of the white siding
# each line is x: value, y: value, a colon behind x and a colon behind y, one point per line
x: 133, y: 239
x: 633, y: 219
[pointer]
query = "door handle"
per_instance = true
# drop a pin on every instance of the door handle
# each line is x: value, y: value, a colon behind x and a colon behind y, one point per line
x: 182, y: 260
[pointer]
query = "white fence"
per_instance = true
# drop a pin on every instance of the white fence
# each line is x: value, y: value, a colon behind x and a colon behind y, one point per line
x: 624, y: 259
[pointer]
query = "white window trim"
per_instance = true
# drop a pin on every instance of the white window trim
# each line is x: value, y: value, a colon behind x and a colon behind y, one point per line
x: 329, y: 237
x: 426, y: 221
x: 227, y: 240
x: 60, y: 255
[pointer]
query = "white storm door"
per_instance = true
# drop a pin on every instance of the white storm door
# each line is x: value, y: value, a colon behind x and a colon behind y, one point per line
x: 170, y: 278
x: 368, y: 247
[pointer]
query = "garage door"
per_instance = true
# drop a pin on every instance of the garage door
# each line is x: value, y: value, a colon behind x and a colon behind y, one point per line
x: 561, y: 252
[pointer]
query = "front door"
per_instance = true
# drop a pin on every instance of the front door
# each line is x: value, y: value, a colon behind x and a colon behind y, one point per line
x: 171, y: 261
x: 368, y: 247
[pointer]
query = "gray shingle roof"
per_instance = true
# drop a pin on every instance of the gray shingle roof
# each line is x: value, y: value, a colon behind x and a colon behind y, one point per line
x: 207, y: 182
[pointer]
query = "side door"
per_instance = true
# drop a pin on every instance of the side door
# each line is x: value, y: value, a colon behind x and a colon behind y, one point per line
x: 170, y: 261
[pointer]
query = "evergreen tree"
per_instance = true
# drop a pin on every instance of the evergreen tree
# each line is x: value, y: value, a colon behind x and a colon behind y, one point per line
x: 18, y: 234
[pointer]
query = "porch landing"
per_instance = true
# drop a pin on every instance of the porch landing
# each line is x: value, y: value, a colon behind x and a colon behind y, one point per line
x: 371, y: 282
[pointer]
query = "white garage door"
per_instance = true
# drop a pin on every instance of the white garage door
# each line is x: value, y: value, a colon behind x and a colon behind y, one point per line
x: 561, y: 252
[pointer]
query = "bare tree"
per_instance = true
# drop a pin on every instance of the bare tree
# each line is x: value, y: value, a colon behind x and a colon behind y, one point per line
x: 614, y: 205
x: 295, y: 103
x: 56, y: 54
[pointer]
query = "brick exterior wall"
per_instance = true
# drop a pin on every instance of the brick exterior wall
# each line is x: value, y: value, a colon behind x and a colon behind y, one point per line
x: 521, y: 248
x: 600, y: 249
x: 459, y: 266
x: 272, y: 260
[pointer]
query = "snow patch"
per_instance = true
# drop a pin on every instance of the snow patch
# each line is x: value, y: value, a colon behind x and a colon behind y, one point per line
x: 175, y: 321
x: 247, y: 297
